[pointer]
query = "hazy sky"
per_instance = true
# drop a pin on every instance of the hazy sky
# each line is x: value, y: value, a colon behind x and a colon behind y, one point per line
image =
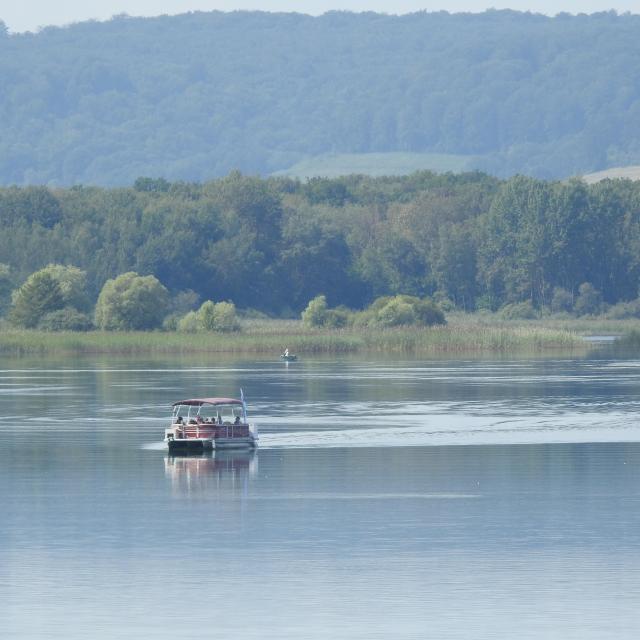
x: 28, y: 15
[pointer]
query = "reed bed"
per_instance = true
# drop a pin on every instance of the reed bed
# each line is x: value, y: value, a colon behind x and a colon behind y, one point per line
x: 629, y: 340
x: 584, y: 325
x: 451, y: 339
x: 273, y: 336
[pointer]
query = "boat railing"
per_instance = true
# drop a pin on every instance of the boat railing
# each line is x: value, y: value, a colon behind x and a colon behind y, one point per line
x: 229, y: 430
x: 208, y: 430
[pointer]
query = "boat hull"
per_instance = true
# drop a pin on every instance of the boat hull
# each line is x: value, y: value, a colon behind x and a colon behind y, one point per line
x: 192, y: 445
x: 197, y: 445
x: 234, y: 443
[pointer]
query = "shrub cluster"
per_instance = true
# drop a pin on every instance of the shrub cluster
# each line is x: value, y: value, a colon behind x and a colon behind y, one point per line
x: 210, y: 316
x: 519, y: 311
x: 587, y: 302
x: 67, y: 319
x: 55, y: 299
x: 131, y: 302
x: 384, y: 312
x: 318, y: 314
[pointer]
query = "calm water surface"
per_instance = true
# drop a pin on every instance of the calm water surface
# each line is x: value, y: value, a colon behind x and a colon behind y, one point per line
x: 388, y: 499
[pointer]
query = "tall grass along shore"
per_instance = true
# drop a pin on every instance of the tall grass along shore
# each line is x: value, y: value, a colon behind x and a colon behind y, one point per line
x: 274, y: 335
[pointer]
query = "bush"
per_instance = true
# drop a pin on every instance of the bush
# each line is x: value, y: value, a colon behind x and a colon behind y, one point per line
x: 337, y: 318
x: 131, y: 302
x: 561, y: 300
x: 170, y: 323
x: 444, y: 302
x: 225, y: 318
x: 210, y: 317
x: 624, y: 310
x: 184, y: 301
x: 396, y: 313
x: 401, y: 310
x: 387, y: 311
x: 219, y: 316
x: 519, y: 311
x: 189, y: 323
x: 486, y: 302
x: 378, y: 304
x: 67, y: 319
x: 315, y: 315
x: 207, y: 316
x: 255, y: 314
x: 589, y: 300
x: 629, y: 340
x: 428, y: 312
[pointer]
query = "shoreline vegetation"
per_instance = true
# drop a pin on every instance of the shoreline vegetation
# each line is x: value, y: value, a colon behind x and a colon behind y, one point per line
x: 465, y: 333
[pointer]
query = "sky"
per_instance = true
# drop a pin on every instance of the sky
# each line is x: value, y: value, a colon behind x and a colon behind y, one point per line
x: 29, y: 15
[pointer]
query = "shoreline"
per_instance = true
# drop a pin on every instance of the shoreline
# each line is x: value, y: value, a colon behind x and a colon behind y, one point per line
x: 271, y: 337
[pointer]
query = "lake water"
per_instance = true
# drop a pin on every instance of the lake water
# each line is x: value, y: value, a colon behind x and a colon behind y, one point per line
x: 388, y: 499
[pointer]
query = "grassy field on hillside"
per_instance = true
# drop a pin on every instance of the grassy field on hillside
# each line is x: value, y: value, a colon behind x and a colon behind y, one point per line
x: 377, y: 164
x: 630, y: 173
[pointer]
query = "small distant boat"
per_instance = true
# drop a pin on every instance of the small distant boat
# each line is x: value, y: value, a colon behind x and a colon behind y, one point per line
x: 288, y: 357
x: 203, y: 424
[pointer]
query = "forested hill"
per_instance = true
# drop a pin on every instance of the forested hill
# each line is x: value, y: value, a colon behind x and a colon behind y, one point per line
x: 193, y: 96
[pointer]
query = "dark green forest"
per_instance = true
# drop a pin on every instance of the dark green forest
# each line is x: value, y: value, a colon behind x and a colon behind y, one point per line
x: 195, y: 96
x: 470, y: 240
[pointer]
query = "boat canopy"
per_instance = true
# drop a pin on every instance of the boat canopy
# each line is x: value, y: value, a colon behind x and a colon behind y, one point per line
x: 198, y: 402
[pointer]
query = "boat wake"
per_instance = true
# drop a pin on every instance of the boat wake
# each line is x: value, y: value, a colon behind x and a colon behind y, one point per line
x: 546, y: 430
x: 155, y: 446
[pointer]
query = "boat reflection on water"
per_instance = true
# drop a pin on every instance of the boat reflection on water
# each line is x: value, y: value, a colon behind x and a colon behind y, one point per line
x: 214, y: 473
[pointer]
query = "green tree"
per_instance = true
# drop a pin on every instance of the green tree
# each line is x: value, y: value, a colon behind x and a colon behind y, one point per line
x: 67, y: 319
x: 519, y: 311
x: 316, y: 257
x: 243, y: 262
x: 392, y: 264
x: 396, y: 313
x: 39, y: 295
x: 515, y: 242
x: 225, y: 318
x: 6, y: 285
x: 428, y: 313
x: 131, y: 302
x: 189, y: 323
x: 35, y: 205
x: 406, y: 310
x: 589, y: 300
x: 219, y: 316
x: 456, y: 266
x: 315, y: 314
x: 73, y: 285
x: 562, y: 300
x: 207, y: 316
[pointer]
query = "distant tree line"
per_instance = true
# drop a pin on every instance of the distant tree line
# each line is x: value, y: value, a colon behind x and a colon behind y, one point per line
x: 467, y: 241
x: 193, y: 96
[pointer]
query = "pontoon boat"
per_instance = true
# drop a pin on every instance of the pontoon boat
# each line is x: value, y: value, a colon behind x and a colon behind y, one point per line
x: 202, y: 424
